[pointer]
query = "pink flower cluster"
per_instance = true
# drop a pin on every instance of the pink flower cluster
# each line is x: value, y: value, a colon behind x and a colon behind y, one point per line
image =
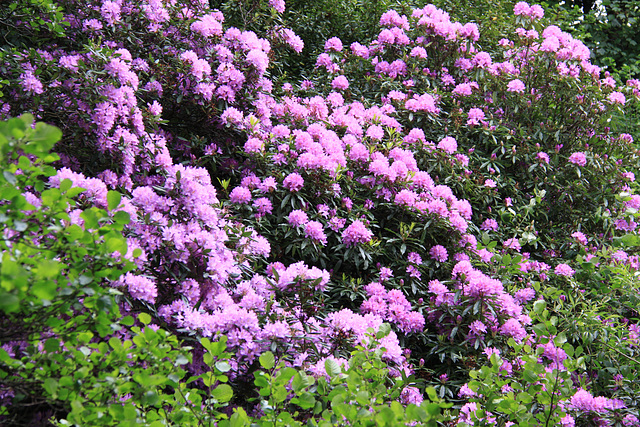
x: 393, y: 307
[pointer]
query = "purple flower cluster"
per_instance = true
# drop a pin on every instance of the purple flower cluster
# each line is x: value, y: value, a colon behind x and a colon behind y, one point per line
x: 392, y: 306
x: 356, y: 233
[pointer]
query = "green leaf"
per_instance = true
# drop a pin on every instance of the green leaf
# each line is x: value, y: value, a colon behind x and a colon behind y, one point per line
x: 385, y: 329
x: 90, y: 219
x: 9, y: 177
x: 305, y: 400
x: 48, y: 269
x: 65, y: 185
x: 530, y: 376
x: 267, y: 360
x: 127, y: 320
x: 51, y: 345
x: 223, y: 366
x: 150, y: 398
x: 386, y: 416
x: 222, y: 393
x: 280, y: 394
x: 51, y: 387
x: 9, y: 302
x: 113, y: 199
x: 332, y: 367
x: 144, y: 318
x: 122, y: 217
x: 560, y: 339
x: 363, y: 397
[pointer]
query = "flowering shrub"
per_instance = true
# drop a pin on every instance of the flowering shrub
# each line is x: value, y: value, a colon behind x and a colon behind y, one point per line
x: 414, y: 179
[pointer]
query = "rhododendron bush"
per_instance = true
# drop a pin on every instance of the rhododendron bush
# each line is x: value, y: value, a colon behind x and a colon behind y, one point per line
x: 465, y: 217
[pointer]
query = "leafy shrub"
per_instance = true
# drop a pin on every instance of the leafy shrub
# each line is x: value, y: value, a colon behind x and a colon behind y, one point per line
x: 413, y: 179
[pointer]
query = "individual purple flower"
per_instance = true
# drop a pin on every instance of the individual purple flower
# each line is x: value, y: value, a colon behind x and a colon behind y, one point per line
x: 253, y: 145
x: 323, y: 210
x: 477, y: 327
x: 297, y: 217
x: 513, y: 328
x: 448, y: 144
x: 278, y: 5
x: 620, y: 256
x: 360, y: 50
x: 347, y: 203
x: 476, y: 116
x: 411, y: 395
x: 463, y: 89
x: 293, y: 182
x: 91, y: 25
x: 516, y: 86
x: 207, y: 26
x: 199, y: 67
x: 340, y: 83
x: 333, y: 44
x: 356, y: 233
x: 141, y: 288
x: 536, y: 11
x: 489, y: 183
x: 582, y: 400
x: 292, y: 39
x: 617, y: 98
x: 405, y: 198
x: 543, y: 157
x: 258, y: 59
x: 110, y: 11
x: 525, y: 295
x: 512, y: 244
x: 489, y: 225
x: 630, y: 420
x: 580, y: 237
x: 232, y: 116
x: 155, y: 108
x: 260, y: 246
x: 385, y: 274
x: 521, y: 8
x: 418, y: 52
x: 482, y: 60
x: 240, y: 195
x: 564, y: 270
x: 412, y: 271
x: 375, y: 132
x: 263, y: 205
x: 439, y: 253
x: 386, y: 37
x: 414, y: 258
x: 315, y: 231
x: 337, y: 223
x: 70, y: 62
x: 250, y: 182
x: 578, y: 158
x: 30, y: 83
x: 424, y: 102
x: 567, y: 421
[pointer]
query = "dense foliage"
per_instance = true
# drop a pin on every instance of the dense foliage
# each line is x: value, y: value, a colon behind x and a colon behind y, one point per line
x: 437, y: 211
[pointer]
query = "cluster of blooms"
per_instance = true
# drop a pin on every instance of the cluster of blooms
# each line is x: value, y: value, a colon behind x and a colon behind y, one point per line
x: 393, y: 307
x: 476, y: 287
